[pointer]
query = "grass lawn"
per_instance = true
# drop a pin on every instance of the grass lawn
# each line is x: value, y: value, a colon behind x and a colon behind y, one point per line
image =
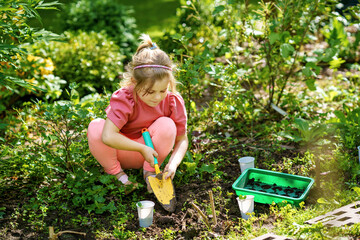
x: 152, y: 17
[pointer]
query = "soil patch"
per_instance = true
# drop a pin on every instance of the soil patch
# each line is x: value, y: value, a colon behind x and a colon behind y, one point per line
x: 184, y: 223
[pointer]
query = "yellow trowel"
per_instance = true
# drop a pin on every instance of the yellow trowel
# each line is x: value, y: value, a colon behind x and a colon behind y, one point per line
x: 163, y: 188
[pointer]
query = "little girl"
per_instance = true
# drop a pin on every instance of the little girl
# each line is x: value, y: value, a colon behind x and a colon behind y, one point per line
x: 143, y: 102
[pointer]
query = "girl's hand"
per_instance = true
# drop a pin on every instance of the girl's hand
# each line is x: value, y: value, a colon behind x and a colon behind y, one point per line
x: 171, y: 170
x: 149, y: 154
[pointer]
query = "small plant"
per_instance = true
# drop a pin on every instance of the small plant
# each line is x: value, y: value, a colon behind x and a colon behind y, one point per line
x: 312, y: 137
x: 349, y: 126
x: 241, y: 197
x: 307, y: 133
x: 2, y: 212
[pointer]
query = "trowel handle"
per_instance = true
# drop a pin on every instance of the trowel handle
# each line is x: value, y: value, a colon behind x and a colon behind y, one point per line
x: 146, y: 135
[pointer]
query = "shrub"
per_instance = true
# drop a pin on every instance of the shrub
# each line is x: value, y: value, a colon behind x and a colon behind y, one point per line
x: 342, y: 34
x: 50, y: 145
x: 349, y: 126
x: 37, y: 71
x: 15, y: 32
x: 54, y: 135
x: 91, y: 60
x: 104, y: 15
x: 264, y: 43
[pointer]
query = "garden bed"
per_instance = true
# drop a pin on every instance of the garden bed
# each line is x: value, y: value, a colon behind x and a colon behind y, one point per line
x: 184, y: 223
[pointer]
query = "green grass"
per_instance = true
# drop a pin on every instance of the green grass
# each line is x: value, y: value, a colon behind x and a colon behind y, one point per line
x: 152, y: 17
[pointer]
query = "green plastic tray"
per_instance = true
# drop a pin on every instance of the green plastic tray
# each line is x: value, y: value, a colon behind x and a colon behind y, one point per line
x: 271, y: 177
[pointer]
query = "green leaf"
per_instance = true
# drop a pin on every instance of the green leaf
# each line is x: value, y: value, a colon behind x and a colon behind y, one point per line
x: 190, y: 167
x: 176, y: 36
x: 357, y: 190
x: 104, y: 179
x: 32, y: 11
x: 6, y: 8
x: 286, y: 135
x: 189, y: 156
x: 301, y: 124
x: 340, y: 115
x: 99, y: 199
x: 328, y: 55
x: 111, y: 207
x: 312, y: 65
x: 274, y: 37
x: 336, y: 63
x: 49, y: 5
x: 286, y: 50
x: 323, y: 201
x: 285, y: 35
x: 310, y: 83
x: 7, y: 46
x: 189, y: 35
x: 308, y: 72
x: 218, y: 9
x: 207, y: 168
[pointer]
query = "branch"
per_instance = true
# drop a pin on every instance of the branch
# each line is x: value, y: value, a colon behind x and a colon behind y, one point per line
x: 213, y: 206
x: 296, y: 54
x: 201, y: 214
x: 54, y: 236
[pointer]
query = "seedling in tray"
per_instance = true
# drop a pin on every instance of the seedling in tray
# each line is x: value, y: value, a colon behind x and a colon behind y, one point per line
x: 270, y: 186
x: 256, y: 185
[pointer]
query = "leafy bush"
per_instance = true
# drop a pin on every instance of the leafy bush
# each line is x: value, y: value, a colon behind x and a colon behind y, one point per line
x: 201, y: 19
x: 104, y: 15
x: 264, y: 43
x: 52, y: 136
x: 51, y: 147
x: 342, y: 34
x: 349, y: 126
x: 90, y: 60
x: 15, y: 32
x: 37, y: 71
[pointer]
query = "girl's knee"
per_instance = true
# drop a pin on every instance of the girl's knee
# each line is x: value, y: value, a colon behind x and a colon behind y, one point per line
x: 165, y: 120
x: 166, y: 126
x: 95, y: 128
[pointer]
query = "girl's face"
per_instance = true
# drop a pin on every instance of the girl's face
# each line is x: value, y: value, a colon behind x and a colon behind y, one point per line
x: 156, y: 94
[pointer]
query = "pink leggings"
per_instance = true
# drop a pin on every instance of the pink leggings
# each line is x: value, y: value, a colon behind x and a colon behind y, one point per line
x: 162, y: 132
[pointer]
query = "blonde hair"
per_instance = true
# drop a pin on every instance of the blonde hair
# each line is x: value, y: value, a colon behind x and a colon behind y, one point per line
x: 148, y: 53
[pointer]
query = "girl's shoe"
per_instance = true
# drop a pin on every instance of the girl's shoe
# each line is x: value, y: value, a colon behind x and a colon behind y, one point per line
x: 129, y: 186
x: 146, y: 177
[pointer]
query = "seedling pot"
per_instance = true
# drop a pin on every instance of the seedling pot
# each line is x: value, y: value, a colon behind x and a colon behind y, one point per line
x: 246, y: 206
x: 145, y: 212
x: 270, y: 186
x: 246, y: 162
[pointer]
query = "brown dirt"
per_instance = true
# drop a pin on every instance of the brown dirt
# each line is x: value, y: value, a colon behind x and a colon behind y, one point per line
x: 185, y: 222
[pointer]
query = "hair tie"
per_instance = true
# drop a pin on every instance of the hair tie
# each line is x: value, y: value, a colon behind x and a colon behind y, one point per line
x: 153, y: 66
x: 153, y: 46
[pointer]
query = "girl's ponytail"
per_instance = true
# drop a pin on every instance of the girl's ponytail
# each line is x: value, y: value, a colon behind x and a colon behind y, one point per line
x: 145, y: 43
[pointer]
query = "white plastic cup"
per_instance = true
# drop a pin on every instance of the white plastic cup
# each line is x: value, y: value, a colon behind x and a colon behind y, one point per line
x: 246, y: 162
x: 246, y: 206
x: 145, y: 212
